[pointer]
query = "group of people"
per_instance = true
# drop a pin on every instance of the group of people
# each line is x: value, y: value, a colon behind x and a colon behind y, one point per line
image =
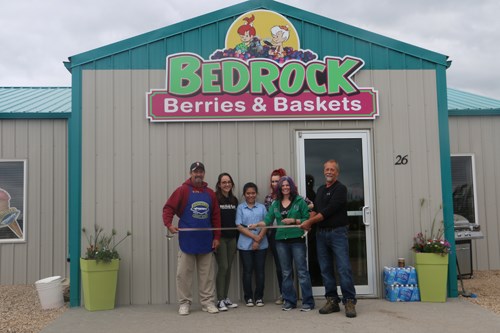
x: 215, y: 222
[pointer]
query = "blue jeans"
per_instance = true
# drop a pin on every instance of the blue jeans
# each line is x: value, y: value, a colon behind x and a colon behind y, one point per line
x: 289, y: 254
x: 333, y: 244
x: 271, y: 238
x: 253, y: 261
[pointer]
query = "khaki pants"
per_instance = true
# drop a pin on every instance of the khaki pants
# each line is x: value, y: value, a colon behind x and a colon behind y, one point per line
x: 206, y: 282
x: 224, y: 257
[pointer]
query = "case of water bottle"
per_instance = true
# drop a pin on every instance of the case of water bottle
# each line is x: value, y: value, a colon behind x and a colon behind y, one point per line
x: 400, y: 284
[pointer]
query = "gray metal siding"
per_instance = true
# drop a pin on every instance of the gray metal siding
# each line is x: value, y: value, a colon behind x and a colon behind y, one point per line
x: 43, y: 143
x: 479, y: 135
x: 131, y: 166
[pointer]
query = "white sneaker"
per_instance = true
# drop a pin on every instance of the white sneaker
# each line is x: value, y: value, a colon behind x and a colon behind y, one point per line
x: 184, y: 309
x: 221, y: 305
x: 210, y: 308
x: 259, y: 302
x: 230, y: 304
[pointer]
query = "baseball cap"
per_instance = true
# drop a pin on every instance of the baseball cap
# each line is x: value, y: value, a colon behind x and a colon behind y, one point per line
x: 197, y: 165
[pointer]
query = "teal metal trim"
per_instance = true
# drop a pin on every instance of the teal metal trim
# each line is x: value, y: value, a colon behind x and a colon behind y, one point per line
x: 67, y: 64
x: 231, y: 12
x: 75, y: 186
x: 358, y: 33
x: 162, y: 33
x: 446, y: 185
x: 22, y: 115
x: 471, y: 103
x: 474, y: 113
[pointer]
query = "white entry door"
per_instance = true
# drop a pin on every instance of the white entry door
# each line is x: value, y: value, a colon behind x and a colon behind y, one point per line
x: 352, y: 151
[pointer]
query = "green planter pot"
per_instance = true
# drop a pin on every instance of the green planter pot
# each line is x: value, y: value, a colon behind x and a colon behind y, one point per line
x: 99, y: 284
x: 432, y: 272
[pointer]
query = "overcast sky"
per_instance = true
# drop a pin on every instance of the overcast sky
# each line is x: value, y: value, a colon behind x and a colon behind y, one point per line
x: 37, y: 36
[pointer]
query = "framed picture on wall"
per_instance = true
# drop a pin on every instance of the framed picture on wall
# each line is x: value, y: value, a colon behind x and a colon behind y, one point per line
x: 12, y: 201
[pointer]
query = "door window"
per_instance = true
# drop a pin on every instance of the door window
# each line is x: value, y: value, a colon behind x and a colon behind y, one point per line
x: 350, y: 150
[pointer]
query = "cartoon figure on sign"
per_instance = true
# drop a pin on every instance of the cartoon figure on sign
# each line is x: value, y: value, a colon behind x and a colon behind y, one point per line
x: 280, y: 34
x: 283, y: 45
x: 9, y: 215
x: 249, y: 41
x: 246, y: 32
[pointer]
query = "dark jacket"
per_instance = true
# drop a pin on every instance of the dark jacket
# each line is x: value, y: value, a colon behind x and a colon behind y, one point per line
x: 331, y: 202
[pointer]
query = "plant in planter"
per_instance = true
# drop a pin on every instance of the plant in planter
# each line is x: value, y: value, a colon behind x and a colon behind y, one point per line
x: 102, y: 247
x: 100, y: 269
x: 431, y: 261
x: 435, y: 242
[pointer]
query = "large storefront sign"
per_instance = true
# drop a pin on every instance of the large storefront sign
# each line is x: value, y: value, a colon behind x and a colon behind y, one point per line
x: 259, y: 78
x: 12, y: 200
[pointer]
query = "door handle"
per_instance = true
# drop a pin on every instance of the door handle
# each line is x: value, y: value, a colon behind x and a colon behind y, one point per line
x: 366, y: 215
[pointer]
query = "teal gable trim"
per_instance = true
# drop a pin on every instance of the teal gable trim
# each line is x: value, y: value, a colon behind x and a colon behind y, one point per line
x: 205, y: 34
x: 20, y: 115
x: 151, y: 54
x: 444, y: 148
x: 162, y: 33
x: 75, y: 187
x: 472, y: 113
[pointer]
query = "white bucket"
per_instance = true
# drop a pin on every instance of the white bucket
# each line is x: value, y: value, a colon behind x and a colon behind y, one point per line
x: 50, y: 292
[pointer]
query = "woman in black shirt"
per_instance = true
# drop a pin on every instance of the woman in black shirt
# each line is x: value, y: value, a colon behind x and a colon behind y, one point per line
x: 227, y: 248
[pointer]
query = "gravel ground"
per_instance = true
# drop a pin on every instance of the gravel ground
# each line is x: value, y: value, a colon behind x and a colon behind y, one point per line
x: 486, y: 286
x: 21, y: 312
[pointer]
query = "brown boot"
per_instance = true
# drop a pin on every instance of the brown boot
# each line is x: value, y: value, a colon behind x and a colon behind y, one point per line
x: 331, y: 305
x: 350, y: 308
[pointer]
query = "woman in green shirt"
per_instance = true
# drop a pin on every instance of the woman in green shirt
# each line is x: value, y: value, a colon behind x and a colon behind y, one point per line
x: 290, y: 210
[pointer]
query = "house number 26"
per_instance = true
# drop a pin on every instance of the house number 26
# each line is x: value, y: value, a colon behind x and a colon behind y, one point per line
x: 401, y: 160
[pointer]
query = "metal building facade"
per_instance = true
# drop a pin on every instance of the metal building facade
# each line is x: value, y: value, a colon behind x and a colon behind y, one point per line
x: 33, y: 128
x: 123, y: 168
x: 474, y: 122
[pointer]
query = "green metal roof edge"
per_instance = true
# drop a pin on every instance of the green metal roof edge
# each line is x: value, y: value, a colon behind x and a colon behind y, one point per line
x: 161, y: 33
x: 470, y: 104
x: 238, y: 9
x: 363, y: 34
x: 25, y: 115
x: 56, y: 97
x: 35, y: 87
x: 474, y: 112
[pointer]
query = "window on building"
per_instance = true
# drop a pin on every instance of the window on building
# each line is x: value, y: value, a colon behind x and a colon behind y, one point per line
x: 12, y: 200
x: 464, y: 186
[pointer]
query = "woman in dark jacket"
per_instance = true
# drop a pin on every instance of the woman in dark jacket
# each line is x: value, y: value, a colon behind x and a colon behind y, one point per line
x: 227, y: 248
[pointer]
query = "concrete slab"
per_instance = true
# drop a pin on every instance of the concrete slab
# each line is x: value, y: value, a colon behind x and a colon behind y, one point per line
x: 374, y: 315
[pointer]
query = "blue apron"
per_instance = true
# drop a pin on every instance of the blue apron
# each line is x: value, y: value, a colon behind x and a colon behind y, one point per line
x: 197, y: 214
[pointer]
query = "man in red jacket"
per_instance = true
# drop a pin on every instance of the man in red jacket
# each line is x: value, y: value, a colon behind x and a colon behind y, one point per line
x: 196, y: 206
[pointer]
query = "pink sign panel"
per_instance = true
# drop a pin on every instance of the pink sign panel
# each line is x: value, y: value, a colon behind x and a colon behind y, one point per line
x: 261, y: 74
x: 162, y: 106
